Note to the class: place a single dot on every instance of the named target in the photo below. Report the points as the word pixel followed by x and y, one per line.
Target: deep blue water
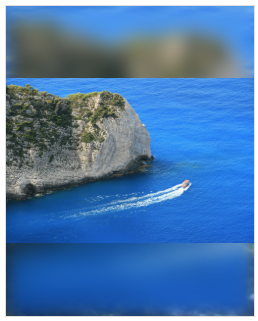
pixel 201 130
pixel 127 279
pixel 234 25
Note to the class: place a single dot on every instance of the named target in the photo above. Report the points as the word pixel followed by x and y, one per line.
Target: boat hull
pixel 185 184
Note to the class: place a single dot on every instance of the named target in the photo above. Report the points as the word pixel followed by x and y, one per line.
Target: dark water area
pixel 128 279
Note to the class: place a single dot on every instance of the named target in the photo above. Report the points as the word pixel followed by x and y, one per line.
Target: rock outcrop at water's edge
pixel 54 142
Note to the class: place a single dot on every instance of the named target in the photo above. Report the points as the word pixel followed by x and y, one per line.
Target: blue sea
pixel 200 129
pixel 128 279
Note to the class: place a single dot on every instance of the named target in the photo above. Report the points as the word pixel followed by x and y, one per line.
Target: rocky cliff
pixel 54 142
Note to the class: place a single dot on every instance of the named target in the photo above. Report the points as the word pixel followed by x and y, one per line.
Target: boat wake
pixel 135 202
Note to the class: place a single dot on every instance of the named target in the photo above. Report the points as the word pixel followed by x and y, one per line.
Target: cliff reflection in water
pixel 129 279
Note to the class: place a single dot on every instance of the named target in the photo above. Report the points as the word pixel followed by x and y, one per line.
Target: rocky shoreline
pixel 54 143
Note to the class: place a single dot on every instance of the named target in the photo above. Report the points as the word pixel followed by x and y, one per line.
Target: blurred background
pixel 130 42
pixel 138 279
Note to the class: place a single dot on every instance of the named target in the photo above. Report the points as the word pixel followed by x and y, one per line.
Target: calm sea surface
pixel 201 130
pixel 128 279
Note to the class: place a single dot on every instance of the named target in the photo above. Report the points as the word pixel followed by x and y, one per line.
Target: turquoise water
pixel 201 130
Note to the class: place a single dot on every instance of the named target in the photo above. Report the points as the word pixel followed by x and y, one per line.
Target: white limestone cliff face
pixel 120 146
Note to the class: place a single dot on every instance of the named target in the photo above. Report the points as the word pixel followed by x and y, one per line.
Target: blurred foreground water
pixel 129 279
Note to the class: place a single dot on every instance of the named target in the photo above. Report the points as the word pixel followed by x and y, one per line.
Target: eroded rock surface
pixel 55 142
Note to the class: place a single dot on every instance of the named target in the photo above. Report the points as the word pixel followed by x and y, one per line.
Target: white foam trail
pixel 141 201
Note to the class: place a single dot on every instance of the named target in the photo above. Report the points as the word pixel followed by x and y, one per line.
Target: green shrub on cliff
pixel 14 89
pixel 118 100
pixel 112 99
pixel 80 96
pixel 40 120
pixel 87 137
pixel 9 126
